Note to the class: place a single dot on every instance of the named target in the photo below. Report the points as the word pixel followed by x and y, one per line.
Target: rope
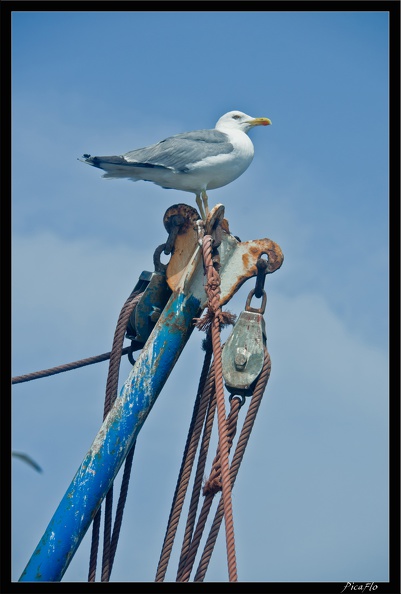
pixel 121 504
pixel 210 490
pixel 213 484
pixel 111 394
pixel 94 546
pixel 200 416
pixel 186 566
pixel 205 389
pixel 256 399
pixel 66 367
pixel 108 520
pixel 214 311
pixel 185 557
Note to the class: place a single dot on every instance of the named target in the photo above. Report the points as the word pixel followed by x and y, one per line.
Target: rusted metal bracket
pixel 238 260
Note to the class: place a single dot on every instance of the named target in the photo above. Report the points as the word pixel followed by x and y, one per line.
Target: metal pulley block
pixel 243 352
pixel 149 307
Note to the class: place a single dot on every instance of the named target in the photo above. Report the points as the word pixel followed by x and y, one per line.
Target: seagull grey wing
pixel 179 152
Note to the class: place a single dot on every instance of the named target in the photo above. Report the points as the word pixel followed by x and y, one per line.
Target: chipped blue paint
pixel 113 442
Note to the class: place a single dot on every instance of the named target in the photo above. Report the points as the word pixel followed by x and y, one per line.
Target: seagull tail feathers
pixel 101 162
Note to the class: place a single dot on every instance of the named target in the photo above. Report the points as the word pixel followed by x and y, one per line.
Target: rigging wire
pixel 110 396
pixel 213 293
pixel 65 367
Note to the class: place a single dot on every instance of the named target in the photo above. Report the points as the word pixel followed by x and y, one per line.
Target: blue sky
pixel 311 499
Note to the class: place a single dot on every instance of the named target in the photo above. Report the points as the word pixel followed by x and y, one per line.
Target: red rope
pixel 214 311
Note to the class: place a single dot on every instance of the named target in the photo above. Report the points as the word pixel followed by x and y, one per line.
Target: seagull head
pixel 237 120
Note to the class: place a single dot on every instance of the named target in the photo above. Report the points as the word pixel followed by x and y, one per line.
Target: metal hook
pixel 262 265
pixel 159 266
pixel 239 396
pixel 130 355
pixel 175 223
pixel 261 309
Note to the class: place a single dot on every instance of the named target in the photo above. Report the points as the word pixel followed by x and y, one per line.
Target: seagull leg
pixel 205 202
pixel 200 206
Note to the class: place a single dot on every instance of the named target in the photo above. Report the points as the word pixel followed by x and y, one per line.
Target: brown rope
pixel 94 546
pixel 205 387
pixel 237 458
pixel 185 557
pixel 213 292
pixel 111 394
pixel 66 367
pixel 107 528
pixel 116 350
pixel 190 558
pixel 213 483
pixel 187 564
pixel 121 504
pixel 256 399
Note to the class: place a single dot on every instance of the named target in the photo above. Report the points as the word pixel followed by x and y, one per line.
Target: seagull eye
pixel 236 117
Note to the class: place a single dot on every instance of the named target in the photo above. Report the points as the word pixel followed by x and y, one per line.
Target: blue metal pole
pixel 113 442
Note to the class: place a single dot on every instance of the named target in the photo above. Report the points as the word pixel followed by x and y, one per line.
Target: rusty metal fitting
pixel 240 397
pixel 261 265
pixel 177 219
pixel 175 223
pixel 160 268
pixel 259 310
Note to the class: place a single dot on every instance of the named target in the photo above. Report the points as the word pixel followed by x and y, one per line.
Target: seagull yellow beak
pixel 260 122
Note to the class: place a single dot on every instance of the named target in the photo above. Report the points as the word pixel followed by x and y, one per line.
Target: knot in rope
pixel 212 289
pixel 212 485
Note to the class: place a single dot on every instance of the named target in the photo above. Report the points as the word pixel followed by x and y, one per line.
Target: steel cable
pixel 209 493
pixel 206 383
pixel 213 293
pixel 110 396
pixel 250 417
pixel 66 367
pixel 185 556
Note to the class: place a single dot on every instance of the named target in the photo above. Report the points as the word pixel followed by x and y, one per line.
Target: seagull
pixel 191 161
